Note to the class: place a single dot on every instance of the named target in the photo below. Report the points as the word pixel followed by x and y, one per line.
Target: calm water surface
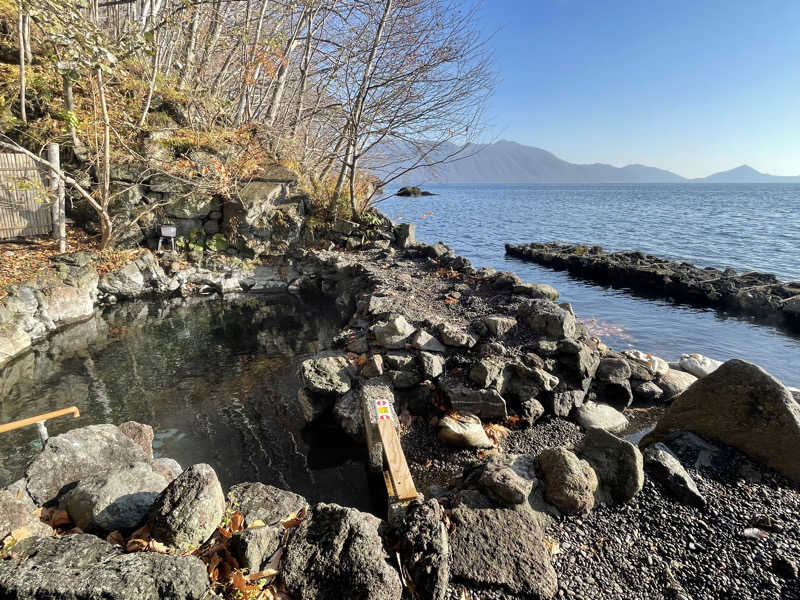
pixel 746 227
pixel 216 380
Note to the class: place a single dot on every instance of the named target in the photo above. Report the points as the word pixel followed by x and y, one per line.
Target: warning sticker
pixel 383 408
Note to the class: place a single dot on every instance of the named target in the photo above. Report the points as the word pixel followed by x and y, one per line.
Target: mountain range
pixel 509 162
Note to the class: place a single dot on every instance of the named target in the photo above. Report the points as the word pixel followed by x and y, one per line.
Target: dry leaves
pixel 496 432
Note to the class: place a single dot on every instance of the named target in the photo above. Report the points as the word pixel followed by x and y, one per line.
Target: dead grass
pixel 21 260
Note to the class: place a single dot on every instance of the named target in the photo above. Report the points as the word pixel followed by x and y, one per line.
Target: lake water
pixel 216 380
pixel 746 227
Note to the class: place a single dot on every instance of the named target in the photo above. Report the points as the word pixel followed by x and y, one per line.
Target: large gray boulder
pixel 743 406
pixel 664 466
pixel 253 547
pixel 617 462
pixel 570 482
pixel 326 374
pixel 674 382
pixel 500 549
pixel 592 414
pixel 141 434
pixel 85 567
pixel 548 318
pixel 119 498
pixel 393 333
pixel 337 552
pixel 76 454
pixel 141 277
pixel 265 503
pixel 188 511
pixel 501 483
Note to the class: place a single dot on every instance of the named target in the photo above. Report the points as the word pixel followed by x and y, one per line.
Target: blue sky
pixel 693 87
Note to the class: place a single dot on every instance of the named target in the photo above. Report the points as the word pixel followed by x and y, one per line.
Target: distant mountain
pixel 745 174
pixel 510 162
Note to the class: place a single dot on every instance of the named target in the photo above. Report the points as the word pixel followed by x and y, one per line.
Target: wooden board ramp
pixel 385 451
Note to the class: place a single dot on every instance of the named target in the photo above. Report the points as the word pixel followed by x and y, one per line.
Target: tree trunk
pixel 105 171
pixel 21 33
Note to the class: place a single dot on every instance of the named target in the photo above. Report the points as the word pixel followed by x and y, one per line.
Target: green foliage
pixel 193 242
pixel 217 243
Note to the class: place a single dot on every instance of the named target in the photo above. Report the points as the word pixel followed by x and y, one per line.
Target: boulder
pixel 373 367
pixel 498 326
pixel 647 391
pixel 253 547
pixel 500 549
pixel 487 404
pixel 463 430
pixel 536 290
pixel 743 406
pixel 18 516
pixel 141 277
pixel 665 467
pixel 422 340
pixel 592 414
pixel 570 482
pixel 337 552
pixel 619 395
pixel 502 484
pixel 168 467
pixel 141 434
pixel 548 318
pixel 453 337
pixel 393 333
pixel 328 373
pixel 617 463
pixel 613 370
pixel 405 235
pixel 486 371
pixel 189 510
pixel 119 498
pixel 400 360
pixel 76 454
pixel 265 503
pixel 349 415
pixel 699 365
pixel 423 543
pixel 85 567
pixel 432 364
pixel 674 382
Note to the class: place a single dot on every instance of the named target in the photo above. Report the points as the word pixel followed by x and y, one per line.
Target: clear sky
pixel 690 86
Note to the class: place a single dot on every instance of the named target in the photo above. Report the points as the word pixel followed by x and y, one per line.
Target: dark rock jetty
pixel 759 295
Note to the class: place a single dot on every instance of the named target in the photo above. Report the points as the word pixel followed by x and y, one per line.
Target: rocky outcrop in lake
pixel 759 295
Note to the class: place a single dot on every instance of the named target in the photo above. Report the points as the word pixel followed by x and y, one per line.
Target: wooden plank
pixel 396 461
pixel 72 410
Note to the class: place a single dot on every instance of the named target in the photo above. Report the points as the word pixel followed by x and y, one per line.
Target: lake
pixel 746 227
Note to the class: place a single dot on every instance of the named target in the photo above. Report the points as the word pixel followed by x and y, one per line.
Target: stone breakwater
pixel 759 295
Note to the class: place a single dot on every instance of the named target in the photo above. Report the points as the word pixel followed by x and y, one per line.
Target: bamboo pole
pixel 73 410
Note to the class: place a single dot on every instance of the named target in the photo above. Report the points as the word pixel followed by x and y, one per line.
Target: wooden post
pixel 57 189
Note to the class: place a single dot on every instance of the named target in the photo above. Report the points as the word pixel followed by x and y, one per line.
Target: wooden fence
pixel 31 199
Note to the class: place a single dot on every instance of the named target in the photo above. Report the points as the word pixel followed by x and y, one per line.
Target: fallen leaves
pixel 496 432
pixel 57 518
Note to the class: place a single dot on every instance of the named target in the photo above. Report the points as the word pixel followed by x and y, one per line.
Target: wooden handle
pixel 72 410
pixel 396 462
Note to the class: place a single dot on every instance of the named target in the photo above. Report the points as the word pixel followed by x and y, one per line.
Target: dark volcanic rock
pixel 17 514
pixel 500 548
pixel 71 456
pixel 743 406
pixel 119 498
pixel 261 502
pixel 84 567
pixel 664 466
pixel 337 553
pixel 617 462
pixel 189 510
pixel 423 542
